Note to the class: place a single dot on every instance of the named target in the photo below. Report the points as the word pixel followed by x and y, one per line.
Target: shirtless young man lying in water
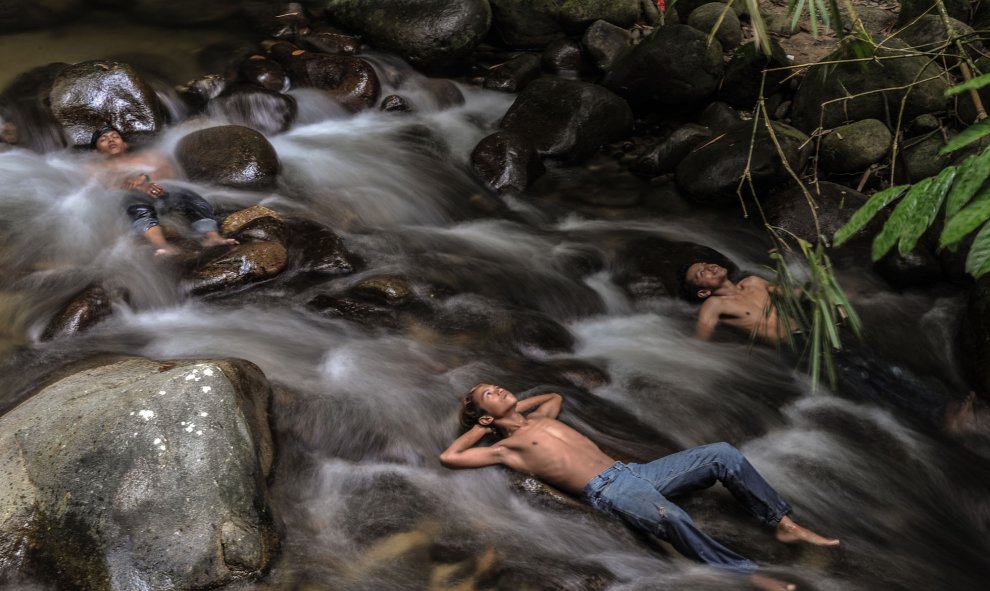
pixel 538 444
pixel 745 305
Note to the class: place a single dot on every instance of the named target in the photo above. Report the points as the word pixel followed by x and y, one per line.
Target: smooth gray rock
pixel 704 17
pixel 136 474
pixel 853 147
pixel 427 33
pixel 921 156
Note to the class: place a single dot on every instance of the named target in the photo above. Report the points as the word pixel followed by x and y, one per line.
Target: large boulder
pixel 851 88
pixel 673 66
pixel 89 95
pixel 349 80
pixel 710 174
pixel 567 119
pixel 229 155
pixel 790 210
pixel 18 15
pixel 137 474
pixel 427 33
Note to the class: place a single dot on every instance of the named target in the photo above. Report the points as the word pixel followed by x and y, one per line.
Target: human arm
pixel 542 405
pixel 462 453
pixel 708 317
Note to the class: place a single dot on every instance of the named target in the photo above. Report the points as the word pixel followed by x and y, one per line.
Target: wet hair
pixel 99 133
pixel 470 410
pixel 686 286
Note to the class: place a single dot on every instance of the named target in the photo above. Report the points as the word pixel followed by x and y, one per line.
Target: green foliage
pixel 974 132
pixel 866 213
pixel 816 305
pixel 968 219
pixel 974 84
pixel 973 171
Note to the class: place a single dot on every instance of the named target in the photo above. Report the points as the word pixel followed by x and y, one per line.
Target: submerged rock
pixel 267 111
pixel 241 265
pixel 229 155
pixel 85 310
pixel 139 474
pixel 254 224
pixel 506 161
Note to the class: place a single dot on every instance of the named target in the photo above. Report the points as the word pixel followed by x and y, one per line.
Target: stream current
pixel 361 413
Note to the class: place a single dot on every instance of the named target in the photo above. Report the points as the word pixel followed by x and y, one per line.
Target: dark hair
pixel 99 133
pixel 686 287
pixel 470 411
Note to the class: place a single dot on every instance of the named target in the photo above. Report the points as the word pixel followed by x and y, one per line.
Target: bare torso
pixel 555 453
pixel 747 307
pixel 113 172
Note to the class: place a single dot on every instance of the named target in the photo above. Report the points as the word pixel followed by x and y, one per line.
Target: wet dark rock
pixel 710 174
pixel 718 117
pixel 85 310
pixel 790 211
pixel 580 373
pixel 577 15
pixel 25 103
pixel 330 40
pixel 394 103
pixel 921 125
pixel 974 338
pixel 238 266
pixel 854 147
pixel 351 81
pixel 740 87
pixel 322 250
pixel 673 66
pixel 267 73
pixel 385 289
pixel 832 81
pixel 229 155
pixel 254 224
pixel 267 111
pixel 564 58
pixel 524 24
pixel 912 9
pixel 604 43
pixel 533 329
pixel 568 119
pixel 729 32
pixel 506 161
pixel 198 92
pixel 669 152
pixel 88 95
pixel 515 74
pixel 20 15
pixel 134 450
pixel 426 33
pixel 921 156
pixel 650 267
pixel 371 315
pixel 918 268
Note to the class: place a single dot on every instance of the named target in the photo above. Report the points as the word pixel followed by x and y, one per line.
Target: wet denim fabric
pixel 638 494
pixel 144 210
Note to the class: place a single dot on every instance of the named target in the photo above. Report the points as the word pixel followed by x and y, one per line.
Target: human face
pixel 111 144
pixel 706 276
pixel 496 401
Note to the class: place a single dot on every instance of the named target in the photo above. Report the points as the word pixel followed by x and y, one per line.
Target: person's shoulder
pixel 754 280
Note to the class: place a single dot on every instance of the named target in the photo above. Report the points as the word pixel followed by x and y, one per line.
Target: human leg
pixel 199 212
pixel 637 502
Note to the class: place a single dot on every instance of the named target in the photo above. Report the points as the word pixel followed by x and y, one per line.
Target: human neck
pixel 509 424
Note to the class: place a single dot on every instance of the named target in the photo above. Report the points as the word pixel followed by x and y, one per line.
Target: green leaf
pixel 927 203
pixel 978 259
pixel 795 12
pixel 974 84
pixel 973 171
pixel 901 222
pixel 970 218
pixel 969 135
pixel 867 212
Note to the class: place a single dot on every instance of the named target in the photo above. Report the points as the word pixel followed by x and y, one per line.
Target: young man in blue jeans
pixel 537 443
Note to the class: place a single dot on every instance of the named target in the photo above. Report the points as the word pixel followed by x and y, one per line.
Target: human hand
pixel 136 182
pixel 152 189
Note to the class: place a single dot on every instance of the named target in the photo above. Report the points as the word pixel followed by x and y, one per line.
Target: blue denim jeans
pixel 144 210
pixel 638 494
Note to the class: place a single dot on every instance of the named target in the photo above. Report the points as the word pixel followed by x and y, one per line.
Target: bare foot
pixel 167 251
pixel 789 532
pixel 218 240
pixel 765 583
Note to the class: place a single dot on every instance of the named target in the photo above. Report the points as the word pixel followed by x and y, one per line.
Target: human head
pixel 484 403
pixel 108 140
pixel 699 279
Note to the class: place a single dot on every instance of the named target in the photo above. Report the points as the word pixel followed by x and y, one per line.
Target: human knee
pixel 727 455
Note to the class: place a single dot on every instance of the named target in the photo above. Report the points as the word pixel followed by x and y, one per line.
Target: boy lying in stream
pixel 537 443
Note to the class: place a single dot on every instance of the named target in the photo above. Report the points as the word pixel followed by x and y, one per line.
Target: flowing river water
pixel 360 413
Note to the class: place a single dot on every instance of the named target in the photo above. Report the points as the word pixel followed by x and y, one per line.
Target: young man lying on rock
pixel 537 443
pixel 139 174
